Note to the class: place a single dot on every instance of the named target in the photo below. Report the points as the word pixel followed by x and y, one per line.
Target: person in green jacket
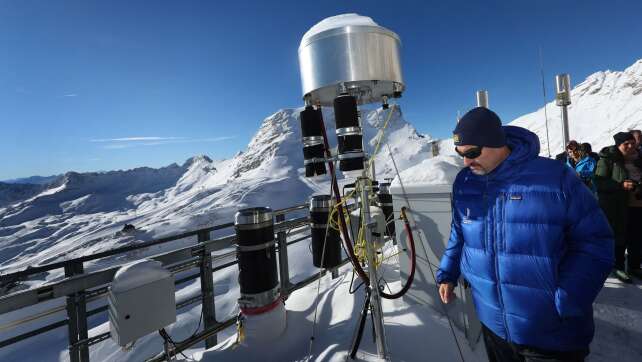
pixel 614 186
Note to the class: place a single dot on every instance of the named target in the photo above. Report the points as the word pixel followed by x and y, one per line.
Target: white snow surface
pixel 440 170
pixel 413 331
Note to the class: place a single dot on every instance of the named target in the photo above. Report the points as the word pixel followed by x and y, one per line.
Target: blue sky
pixel 102 85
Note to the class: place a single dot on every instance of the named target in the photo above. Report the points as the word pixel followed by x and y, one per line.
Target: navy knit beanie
pixel 479 127
pixel 622 137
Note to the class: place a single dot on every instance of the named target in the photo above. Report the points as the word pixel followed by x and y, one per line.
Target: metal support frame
pixel 375 297
pixel 207 290
pixel 284 273
pixel 77 313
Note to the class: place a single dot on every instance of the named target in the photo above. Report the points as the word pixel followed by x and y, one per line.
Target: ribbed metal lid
pixel 253 215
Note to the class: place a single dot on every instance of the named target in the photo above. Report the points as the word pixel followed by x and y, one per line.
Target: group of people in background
pixel 614 177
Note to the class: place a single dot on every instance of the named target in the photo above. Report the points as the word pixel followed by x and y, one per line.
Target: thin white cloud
pixel 70 95
pixel 136 139
pixel 128 142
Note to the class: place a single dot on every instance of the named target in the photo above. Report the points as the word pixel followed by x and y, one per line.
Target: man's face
pixel 638 138
pixel 482 164
pixel 627 148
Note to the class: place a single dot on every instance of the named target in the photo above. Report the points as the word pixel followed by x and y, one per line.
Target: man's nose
pixel 467 161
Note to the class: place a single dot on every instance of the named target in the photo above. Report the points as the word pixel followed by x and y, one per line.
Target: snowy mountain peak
pixel 605 103
pixel 201 160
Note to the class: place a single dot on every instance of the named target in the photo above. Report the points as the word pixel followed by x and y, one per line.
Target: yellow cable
pixel 383 131
pixel 240 330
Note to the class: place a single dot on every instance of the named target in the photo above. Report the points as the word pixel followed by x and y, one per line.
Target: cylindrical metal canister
pixel 320 209
pixel 256 249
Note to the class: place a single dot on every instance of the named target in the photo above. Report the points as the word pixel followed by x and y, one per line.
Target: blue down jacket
pixel 534 245
pixel 585 169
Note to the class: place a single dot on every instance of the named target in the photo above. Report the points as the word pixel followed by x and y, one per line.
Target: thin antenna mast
pixel 541 71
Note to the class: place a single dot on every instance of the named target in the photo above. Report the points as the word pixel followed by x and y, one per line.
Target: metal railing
pixel 80 287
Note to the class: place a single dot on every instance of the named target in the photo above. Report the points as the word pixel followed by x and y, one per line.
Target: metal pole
pixel 482 98
pixel 375 298
pixel 207 290
pixel 563 99
pixel 77 313
pixel 284 273
pixel 82 318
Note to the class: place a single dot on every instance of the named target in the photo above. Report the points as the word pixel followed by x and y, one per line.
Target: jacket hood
pixel 524 146
pixel 523 143
pixel 611 152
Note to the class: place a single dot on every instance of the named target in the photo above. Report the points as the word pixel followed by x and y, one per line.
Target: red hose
pixel 413 260
pixel 346 236
pixel 342 222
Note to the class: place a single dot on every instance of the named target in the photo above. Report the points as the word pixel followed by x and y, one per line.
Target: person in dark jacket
pixel 531 241
pixel 615 186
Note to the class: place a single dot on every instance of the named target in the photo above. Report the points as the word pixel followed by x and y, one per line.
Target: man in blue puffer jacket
pixel 529 238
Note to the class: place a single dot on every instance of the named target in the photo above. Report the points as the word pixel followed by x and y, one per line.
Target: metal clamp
pixel 351 155
pixel 314 161
pixel 312 141
pixel 349 131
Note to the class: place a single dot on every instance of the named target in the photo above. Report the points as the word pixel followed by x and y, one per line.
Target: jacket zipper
pixel 496 259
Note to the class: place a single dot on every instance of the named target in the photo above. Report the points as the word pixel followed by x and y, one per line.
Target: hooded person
pixel 616 175
pixel 531 241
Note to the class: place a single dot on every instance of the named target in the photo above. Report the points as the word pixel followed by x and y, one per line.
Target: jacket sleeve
pixel 449 267
pixel 603 179
pixel 589 251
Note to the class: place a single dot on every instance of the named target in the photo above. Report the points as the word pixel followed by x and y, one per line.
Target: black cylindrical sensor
pixel 345 111
pixel 313 145
pixel 385 202
pixel 349 134
pixel 311 122
pixel 256 250
pixel 320 209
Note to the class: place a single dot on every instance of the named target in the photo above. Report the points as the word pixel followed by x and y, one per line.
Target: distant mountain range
pixel 34 180
pixel 65 218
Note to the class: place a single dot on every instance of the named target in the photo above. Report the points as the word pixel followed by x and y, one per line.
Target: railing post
pixel 77 314
pixel 284 272
pixel 207 291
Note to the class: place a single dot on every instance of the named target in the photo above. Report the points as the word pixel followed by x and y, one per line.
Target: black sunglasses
pixel 470 153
